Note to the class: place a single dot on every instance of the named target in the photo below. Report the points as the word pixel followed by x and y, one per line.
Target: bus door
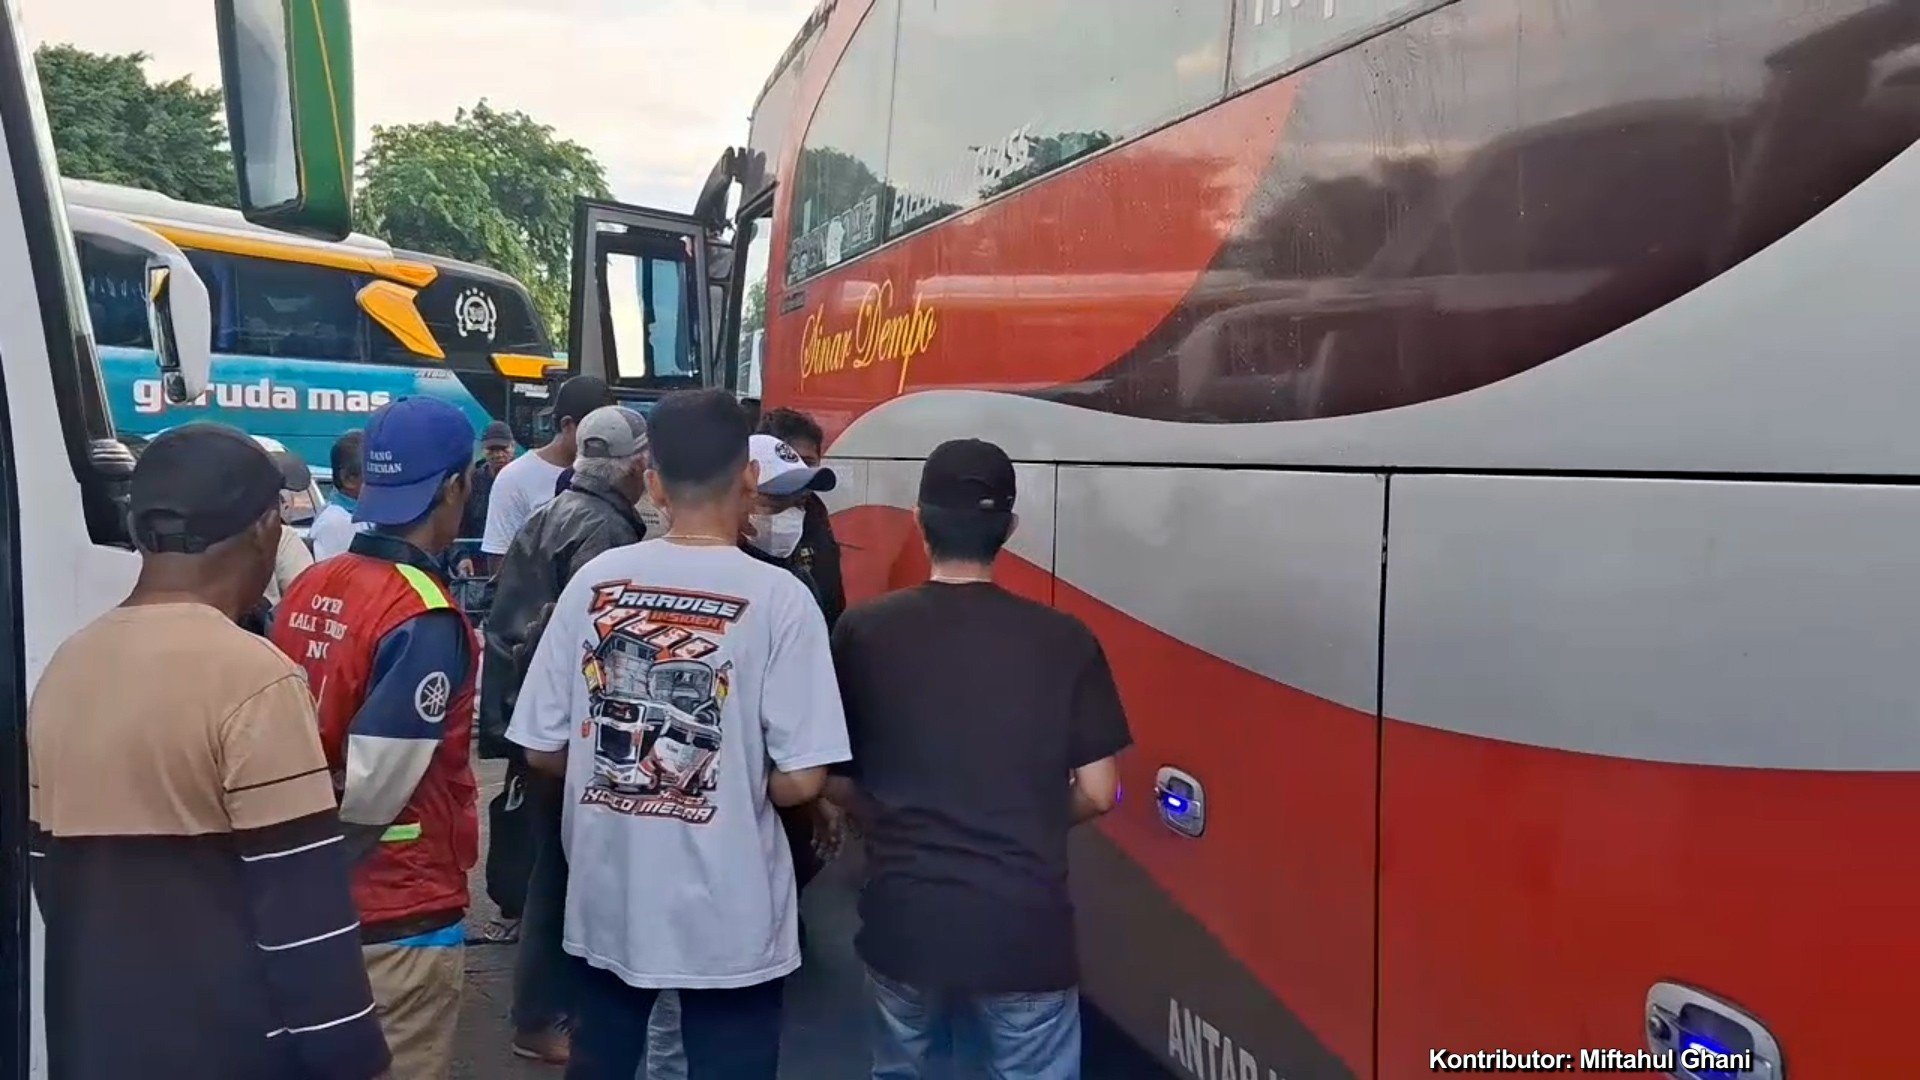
pixel 642 312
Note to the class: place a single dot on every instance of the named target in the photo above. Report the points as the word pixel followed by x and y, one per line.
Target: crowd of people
pixel 252 849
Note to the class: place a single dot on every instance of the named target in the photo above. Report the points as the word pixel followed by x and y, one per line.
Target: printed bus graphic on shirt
pixel 654 702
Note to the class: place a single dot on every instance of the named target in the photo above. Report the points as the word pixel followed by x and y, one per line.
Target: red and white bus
pixel 1481 433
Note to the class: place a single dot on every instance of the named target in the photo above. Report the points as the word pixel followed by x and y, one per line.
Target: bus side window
pixel 1067 80
pixel 116 285
pixel 840 199
pixel 284 309
pixel 216 271
pixel 1271 37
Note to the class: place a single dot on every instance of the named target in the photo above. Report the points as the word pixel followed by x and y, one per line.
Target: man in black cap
pixel 496 448
pixel 178 782
pixel 967 708
pixel 531 481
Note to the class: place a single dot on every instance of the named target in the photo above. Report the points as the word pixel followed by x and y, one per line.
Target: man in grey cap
pixel 596 512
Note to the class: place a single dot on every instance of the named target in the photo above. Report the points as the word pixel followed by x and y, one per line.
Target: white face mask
pixel 778 534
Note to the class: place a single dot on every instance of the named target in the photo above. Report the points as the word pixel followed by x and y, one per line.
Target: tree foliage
pixel 111 124
pixel 493 187
pixel 753 314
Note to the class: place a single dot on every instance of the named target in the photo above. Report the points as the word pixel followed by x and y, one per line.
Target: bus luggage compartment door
pixel 1239 609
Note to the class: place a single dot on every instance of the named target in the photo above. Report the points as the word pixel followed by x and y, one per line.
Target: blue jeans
pixel 1011 1036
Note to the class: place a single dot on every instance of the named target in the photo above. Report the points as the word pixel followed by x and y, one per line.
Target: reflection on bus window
pixel 753 309
pixel 648 321
pixel 839 198
pixel 1069 79
pixel 1273 36
pixel 627 315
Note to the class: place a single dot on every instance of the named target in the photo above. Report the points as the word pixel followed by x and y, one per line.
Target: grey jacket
pixel 560 538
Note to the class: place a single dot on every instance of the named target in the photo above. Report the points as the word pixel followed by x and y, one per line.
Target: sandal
pixel 495 932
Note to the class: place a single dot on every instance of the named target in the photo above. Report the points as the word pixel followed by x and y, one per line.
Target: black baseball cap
pixel 967 474
pixel 199 484
pixel 695 435
pixel 497 434
pixel 579 396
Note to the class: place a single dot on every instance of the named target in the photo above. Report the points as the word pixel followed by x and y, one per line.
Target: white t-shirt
pixel 333 530
pixel 673 675
pixel 524 486
pixel 288 562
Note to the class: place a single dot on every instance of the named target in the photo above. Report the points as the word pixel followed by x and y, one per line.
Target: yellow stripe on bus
pixel 417 274
pixel 523 367
pixel 393 306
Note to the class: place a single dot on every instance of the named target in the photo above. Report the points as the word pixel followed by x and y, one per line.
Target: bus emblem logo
pixel 475 314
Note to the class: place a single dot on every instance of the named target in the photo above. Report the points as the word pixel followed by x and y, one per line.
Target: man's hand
pixel 829 829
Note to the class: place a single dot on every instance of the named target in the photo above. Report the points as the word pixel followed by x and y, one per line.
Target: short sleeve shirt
pixel 163 740
pixel 524 486
pixel 968 709
pixel 675 677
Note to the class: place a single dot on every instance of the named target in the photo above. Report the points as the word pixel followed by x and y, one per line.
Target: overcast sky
pixel 655 88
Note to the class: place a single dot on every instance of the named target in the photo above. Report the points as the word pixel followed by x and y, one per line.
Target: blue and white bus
pixel 311 337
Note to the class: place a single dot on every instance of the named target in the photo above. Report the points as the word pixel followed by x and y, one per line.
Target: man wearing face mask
pixel 819 551
pixel 778 519
pixel 772 535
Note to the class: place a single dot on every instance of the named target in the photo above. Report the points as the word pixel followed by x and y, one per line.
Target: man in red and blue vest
pixel 392 664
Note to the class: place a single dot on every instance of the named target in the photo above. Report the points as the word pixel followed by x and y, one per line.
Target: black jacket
pixel 796 820
pixel 817 560
pixel 560 538
pixel 473 520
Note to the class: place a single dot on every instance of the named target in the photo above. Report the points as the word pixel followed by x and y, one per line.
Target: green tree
pixel 493 187
pixel 753 314
pixel 111 124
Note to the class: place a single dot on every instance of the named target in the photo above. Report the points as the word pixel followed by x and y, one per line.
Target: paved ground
pixel 825 1038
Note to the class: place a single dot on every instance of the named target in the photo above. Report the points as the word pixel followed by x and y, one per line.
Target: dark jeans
pixel 545 977
pixel 729 1034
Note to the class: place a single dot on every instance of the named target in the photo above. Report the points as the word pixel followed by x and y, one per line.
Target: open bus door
pixel 644 309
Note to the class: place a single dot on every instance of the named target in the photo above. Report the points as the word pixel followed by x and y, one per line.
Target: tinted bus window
pixel 116 295
pixel 1066 79
pixel 1273 36
pixel 261 308
pixel 839 196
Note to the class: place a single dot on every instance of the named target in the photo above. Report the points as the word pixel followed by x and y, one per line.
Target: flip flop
pixel 495 932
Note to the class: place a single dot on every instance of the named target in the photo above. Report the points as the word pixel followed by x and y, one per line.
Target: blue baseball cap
pixel 412 446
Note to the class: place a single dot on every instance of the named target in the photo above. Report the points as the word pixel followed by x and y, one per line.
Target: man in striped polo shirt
pixel 188 860
pixel 392 662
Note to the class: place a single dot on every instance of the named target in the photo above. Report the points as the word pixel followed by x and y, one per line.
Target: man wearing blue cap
pixel 392 663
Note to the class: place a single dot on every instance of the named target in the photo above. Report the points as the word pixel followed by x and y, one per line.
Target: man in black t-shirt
pixel 984 726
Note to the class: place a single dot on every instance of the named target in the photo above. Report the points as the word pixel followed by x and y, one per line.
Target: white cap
pixel 782 472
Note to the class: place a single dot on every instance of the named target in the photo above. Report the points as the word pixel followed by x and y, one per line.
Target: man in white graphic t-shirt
pixel 685 690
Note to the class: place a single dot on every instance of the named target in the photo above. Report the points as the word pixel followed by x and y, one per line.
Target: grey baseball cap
pixel 611 431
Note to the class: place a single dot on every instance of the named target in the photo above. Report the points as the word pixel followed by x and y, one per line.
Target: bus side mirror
pixel 287 66
pixel 179 313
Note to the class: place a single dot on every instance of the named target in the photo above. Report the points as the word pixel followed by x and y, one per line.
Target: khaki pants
pixel 416 994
